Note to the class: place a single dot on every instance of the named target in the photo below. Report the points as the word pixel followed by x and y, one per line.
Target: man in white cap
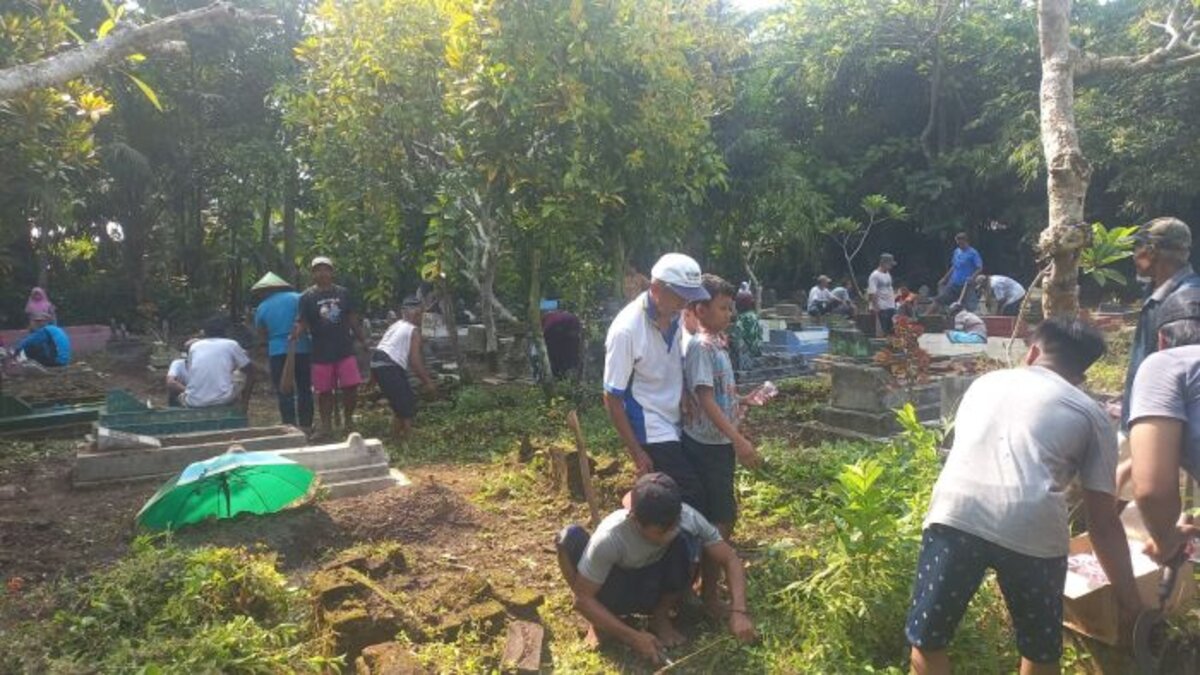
pixel 643 373
pixel 330 317
pixel 275 317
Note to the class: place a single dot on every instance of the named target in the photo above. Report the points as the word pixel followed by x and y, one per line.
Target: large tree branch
pixel 61 68
pixel 1181 49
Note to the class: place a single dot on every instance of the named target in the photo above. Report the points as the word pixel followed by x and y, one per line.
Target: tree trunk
pixel 619 267
pixel 535 321
pixel 450 317
pixel 264 243
pixel 1068 171
pixel 935 94
pixel 487 305
pixel 289 228
pixel 753 284
pixel 73 63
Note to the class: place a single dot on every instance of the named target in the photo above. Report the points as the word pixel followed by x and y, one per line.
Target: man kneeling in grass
pixel 642 561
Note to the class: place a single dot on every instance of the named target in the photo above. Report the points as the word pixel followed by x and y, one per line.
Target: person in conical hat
pixel 276 314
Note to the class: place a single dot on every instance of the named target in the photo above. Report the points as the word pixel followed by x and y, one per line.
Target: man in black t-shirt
pixel 330 317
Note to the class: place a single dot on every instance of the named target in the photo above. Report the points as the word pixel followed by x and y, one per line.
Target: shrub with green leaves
pixel 166 609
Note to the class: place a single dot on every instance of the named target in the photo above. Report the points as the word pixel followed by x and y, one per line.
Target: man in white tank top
pixel 398 351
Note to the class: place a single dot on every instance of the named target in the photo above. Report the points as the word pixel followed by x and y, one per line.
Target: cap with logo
pixel 682 275
pixel 321 260
pixel 1165 233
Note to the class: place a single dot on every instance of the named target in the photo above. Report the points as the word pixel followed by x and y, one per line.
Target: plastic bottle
pixel 765 392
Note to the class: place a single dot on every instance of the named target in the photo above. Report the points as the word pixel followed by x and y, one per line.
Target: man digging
pixel 642 561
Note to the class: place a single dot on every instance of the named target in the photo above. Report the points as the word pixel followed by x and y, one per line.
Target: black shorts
pixel 951 567
pixel 714 465
pixel 668 457
pixel 393 382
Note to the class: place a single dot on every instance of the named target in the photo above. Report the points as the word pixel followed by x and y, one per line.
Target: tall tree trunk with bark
pixel 265 246
pixel 1068 171
pixel 291 188
pixel 535 321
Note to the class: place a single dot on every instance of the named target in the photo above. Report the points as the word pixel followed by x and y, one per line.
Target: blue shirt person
pixel 965 263
pixel 275 318
pixel 46 343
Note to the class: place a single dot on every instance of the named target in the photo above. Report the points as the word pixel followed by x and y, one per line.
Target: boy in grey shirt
pixel 641 561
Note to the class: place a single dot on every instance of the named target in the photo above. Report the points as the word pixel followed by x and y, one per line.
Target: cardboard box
pixel 1090 608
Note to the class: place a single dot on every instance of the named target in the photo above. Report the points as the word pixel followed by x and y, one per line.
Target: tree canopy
pixel 510 149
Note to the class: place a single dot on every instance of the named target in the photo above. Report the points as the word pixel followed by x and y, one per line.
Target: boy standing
pixel 711 439
pixel 398 352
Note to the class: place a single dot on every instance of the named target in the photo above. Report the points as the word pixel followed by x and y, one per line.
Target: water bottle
pixel 764 393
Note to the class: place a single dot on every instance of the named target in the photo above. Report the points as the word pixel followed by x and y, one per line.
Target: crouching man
pixel 642 561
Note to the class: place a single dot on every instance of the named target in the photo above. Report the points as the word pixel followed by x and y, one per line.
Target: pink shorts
pixel 338 375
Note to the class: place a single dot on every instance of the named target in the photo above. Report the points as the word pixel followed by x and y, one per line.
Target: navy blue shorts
pixel 637 591
pixel 951 567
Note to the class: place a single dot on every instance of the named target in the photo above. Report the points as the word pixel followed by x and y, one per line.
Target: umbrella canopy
pixel 224 486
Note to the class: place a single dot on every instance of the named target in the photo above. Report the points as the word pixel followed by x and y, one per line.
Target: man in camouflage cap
pixel 1161 254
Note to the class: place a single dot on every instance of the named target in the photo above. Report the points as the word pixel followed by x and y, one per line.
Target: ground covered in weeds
pixel 439 570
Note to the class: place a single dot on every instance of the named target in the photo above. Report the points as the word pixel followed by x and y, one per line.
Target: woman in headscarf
pixel 39 303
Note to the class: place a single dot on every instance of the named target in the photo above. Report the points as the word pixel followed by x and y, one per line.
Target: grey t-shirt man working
pixel 1021 437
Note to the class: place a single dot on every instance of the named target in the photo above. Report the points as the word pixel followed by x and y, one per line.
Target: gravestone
pixel 863 401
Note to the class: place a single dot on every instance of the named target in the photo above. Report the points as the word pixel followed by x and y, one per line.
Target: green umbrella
pixel 224 486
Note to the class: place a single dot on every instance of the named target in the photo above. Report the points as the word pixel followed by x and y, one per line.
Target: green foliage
pixel 1108 247
pixel 851 235
pixel 170 610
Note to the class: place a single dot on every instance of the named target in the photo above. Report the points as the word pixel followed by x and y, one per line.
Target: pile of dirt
pixel 421 513
pixel 69 384
pixel 425 512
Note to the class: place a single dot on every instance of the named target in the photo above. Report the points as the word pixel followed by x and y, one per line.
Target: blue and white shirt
pixel 644 366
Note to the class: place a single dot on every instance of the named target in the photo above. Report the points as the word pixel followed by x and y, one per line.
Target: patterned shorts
pixel 951 567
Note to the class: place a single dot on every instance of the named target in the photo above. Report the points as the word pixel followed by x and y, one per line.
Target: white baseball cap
pixel 321 260
pixel 682 275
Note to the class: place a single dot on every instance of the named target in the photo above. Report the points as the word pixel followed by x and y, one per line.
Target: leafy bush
pixel 166 609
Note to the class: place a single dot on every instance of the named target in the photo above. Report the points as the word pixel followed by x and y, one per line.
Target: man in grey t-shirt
pixel 1021 436
pixel 1164 423
pixel 641 561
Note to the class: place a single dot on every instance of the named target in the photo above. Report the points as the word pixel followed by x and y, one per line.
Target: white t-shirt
pixel 1007 291
pixel 645 367
pixel 211 363
pixel 178 370
pixel 396 342
pixel 818 294
pixel 617 543
pixel 1020 437
pixel 879 284
pixel 970 323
